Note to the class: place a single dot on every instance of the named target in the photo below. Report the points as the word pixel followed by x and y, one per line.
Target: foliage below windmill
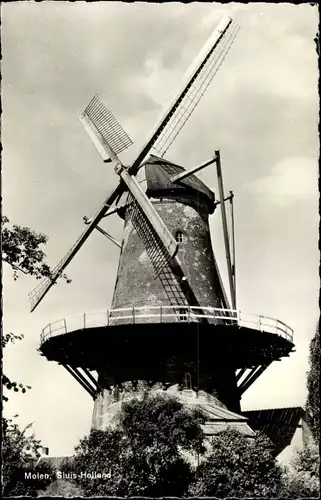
pixel 153 450
pixel 21 250
pixel 313 384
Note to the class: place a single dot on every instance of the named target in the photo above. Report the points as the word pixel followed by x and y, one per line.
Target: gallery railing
pixel 166 314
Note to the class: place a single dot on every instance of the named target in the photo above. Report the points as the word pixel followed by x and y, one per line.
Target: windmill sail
pixel 202 69
pixel 44 286
pixel 195 92
pixel 104 129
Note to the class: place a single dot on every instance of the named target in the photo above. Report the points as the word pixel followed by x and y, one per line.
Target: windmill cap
pixel 159 172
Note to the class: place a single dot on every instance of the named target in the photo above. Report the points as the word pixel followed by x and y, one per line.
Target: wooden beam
pixel 187 173
pixel 95 382
pixel 81 381
pixel 233 247
pixel 253 376
pixel 224 224
pixel 240 374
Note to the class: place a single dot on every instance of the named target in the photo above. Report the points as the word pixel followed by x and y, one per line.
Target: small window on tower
pixel 179 237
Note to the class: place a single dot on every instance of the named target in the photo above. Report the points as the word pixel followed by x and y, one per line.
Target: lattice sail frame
pixel 195 92
pixel 103 128
pixel 155 249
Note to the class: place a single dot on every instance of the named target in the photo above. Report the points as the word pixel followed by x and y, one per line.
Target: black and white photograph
pixel 160 261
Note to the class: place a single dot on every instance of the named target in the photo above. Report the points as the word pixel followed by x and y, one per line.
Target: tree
pixel 21 475
pixel 142 455
pixel 303 479
pixel 313 386
pixel 238 467
pixel 61 488
pixel 21 250
pixel 6 381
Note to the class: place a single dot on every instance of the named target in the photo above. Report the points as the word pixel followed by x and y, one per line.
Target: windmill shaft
pixel 192 74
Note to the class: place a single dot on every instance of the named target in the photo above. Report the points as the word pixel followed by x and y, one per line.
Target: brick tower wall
pixel 136 286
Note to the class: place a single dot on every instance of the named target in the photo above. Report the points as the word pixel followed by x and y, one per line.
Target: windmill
pixel 171 320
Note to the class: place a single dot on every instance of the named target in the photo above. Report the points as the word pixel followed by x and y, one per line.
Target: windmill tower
pixel 170 320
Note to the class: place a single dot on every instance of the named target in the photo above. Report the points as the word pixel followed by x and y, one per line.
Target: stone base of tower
pixel 108 404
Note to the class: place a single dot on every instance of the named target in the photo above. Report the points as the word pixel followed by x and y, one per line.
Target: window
pixel 179 237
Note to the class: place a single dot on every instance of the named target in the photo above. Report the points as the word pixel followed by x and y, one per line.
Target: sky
pixel 261 111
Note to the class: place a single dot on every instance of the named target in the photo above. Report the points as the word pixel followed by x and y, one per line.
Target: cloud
pixel 283 39
pixel 290 180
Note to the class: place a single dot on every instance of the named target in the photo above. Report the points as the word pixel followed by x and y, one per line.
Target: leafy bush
pixel 61 488
pixel 313 385
pixel 143 455
pixel 238 467
pixel 303 479
pixel 21 249
pixel 19 460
